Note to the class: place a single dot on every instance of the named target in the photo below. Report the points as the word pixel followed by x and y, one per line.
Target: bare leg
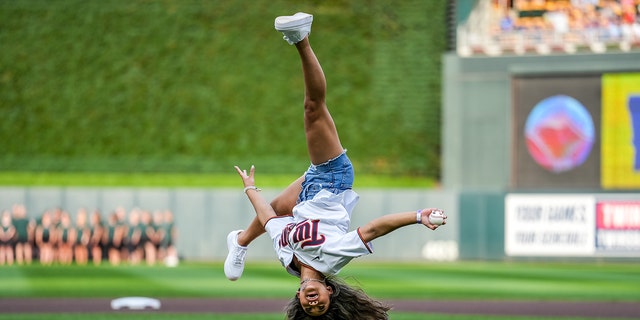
pixel 323 142
pixel 20 253
pixel 28 253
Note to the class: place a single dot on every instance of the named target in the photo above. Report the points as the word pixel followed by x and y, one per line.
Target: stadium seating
pixel 550 26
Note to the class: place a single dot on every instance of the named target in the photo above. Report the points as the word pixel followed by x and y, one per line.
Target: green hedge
pixel 196 86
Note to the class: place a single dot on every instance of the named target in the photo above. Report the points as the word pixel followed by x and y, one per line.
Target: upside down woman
pixel 309 221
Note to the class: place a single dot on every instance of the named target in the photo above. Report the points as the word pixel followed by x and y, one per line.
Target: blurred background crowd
pixel 543 26
pixel 87 237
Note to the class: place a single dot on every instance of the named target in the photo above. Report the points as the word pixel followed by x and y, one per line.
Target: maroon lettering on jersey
pixel 284 237
pixel 306 233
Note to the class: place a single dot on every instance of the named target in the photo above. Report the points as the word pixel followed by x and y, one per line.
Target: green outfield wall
pixel 204 217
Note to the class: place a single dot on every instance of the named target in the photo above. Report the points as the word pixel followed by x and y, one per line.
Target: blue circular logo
pixel 560 133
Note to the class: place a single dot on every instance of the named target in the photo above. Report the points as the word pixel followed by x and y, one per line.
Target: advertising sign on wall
pixel 549 225
pixel 618 227
pixel 576 131
pixel 579 225
pixel 556 131
pixel 621 131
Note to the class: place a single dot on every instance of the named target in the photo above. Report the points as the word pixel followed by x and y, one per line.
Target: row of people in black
pixel 55 237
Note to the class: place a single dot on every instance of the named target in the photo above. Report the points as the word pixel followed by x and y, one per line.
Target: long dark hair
pixel 346 303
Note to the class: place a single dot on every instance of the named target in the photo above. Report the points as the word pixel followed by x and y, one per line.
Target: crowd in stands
pixel 56 236
pixel 544 26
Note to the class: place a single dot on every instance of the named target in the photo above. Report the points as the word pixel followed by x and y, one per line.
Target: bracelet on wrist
pixel 251 188
pixel 419 216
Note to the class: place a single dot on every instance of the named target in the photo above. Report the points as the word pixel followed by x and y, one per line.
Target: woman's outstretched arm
pixel 262 207
pixel 383 225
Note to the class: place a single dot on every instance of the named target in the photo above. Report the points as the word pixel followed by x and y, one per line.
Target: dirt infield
pixel 515 308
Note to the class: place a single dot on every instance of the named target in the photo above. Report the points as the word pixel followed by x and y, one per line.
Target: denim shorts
pixel 335 175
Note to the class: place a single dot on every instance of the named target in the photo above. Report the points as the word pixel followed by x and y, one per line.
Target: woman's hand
pixel 425 218
pixel 263 209
pixel 247 179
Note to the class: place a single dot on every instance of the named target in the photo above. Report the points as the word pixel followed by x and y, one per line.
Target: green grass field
pixel 202 180
pixel 429 281
pixel 461 280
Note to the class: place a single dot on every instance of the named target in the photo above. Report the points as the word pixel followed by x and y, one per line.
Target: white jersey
pixel 318 233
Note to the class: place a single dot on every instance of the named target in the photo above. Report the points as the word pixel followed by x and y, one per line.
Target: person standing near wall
pixel 95 240
pixel 83 235
pixel 25 229
pixel 121 214
pixel 168 245
pixel 146 237
pixel 65 239
pixel 112 239
pixel 7 237
pixel 134 232
pixel 45 238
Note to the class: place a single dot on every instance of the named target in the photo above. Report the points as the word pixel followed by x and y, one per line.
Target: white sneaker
pixel 234 264
pixel 295 28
